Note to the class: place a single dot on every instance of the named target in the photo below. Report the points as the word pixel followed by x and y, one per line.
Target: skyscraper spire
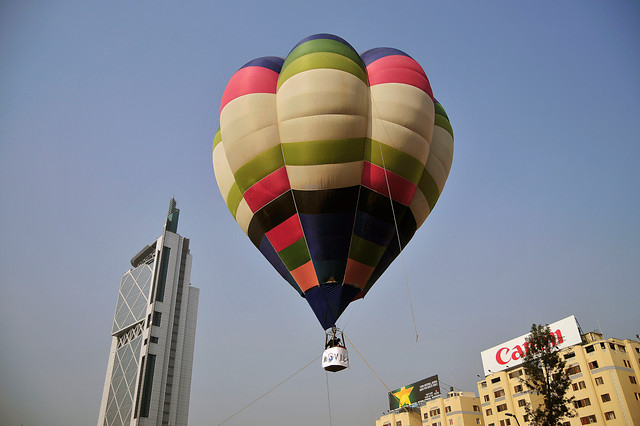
pixel 172 216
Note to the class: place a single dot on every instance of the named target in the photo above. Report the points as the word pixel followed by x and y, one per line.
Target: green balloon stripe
pixel 323 151
pixel 217 138
pixel 429 188
pixel 395 160
pixel 320 60
pixel 442 121
pixel 233 199
pixel 259 167
pixel 323 45
pixel 296 255
pixel 365 251
pixel 440 110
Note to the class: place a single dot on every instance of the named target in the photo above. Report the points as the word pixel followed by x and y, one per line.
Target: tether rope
pixel 267 392
pixel 395 221
pixel 328 398
pixel 370 368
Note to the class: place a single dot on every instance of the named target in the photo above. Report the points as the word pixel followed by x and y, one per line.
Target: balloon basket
pixel 335 357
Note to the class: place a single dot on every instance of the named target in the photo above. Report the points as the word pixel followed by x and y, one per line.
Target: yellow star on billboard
pixel 403 395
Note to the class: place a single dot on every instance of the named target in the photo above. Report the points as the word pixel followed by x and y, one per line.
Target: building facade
pixel 148 380
pixel 604 377
pixel 456 409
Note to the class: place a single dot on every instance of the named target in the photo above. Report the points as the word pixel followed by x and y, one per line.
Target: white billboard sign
pixel 510 354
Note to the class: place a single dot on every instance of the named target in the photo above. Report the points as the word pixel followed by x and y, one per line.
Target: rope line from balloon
pixel 269 391
pixel 395 221
pixel 370 368
pixel 328 398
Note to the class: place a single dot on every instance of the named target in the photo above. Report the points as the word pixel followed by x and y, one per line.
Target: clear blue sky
pixel 108 110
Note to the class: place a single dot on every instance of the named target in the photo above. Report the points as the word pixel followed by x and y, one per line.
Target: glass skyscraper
pixel 148 378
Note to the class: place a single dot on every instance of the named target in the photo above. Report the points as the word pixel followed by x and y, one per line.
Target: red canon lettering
pixel 499 357
pixel 517 353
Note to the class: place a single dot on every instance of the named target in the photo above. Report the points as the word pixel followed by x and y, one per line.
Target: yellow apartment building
pixel 405 416
pixel 604 374
pixel 456 409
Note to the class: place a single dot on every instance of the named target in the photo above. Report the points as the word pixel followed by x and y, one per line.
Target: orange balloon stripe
pixel 305 276
pixel 357 273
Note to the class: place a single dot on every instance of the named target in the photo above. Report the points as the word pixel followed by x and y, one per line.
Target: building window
pixel 486 398
pixel 582 403
pixel 517 389
pixel 605 397
pixel 522 403
pixel 566 424
pixel 399 423
pixel 589 349
pixel 154 339
pixel 505 422
pixel 516 374
pixel 573 370
pixel 157 317
pixel 483 384
pixel 626 363
pixel 434 412
pixel 502 407
pixel 637 396
pixel 612 346
pixel 599 381
pixel 387 424
pixel 622 348
pixel 489 412
pixel 145 398
pixel 496 380
pixel 610 415
pixel 579 385
pixel 447 409
pixel 450 421
pixel 476 409
pixel 593 365
pixel 498 393
pixel 633 379
pixel 569 355
pixel 588 419
pixel 477 421
pixel 425 416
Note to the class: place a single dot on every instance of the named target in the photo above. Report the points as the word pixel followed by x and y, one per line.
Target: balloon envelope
pixel 330 161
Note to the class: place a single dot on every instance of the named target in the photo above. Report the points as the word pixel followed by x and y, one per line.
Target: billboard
pixel 406 395
pixel 509 354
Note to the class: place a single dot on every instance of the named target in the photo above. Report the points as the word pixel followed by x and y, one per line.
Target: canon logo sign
pixel 510 354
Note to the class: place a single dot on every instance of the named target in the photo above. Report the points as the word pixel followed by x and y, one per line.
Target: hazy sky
pixel 108 110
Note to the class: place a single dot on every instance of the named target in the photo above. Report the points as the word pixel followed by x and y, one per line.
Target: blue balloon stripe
pixel 373 55
pixel 274 63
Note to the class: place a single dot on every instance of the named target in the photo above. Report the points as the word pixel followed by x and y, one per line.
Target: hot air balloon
pixel 330 161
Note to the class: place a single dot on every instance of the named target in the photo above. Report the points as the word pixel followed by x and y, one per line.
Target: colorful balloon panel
pixel 330 161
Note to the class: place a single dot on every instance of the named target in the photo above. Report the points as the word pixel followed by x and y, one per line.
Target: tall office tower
pixel 149 371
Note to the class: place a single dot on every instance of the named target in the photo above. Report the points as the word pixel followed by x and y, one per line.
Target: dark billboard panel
pixel 406 395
